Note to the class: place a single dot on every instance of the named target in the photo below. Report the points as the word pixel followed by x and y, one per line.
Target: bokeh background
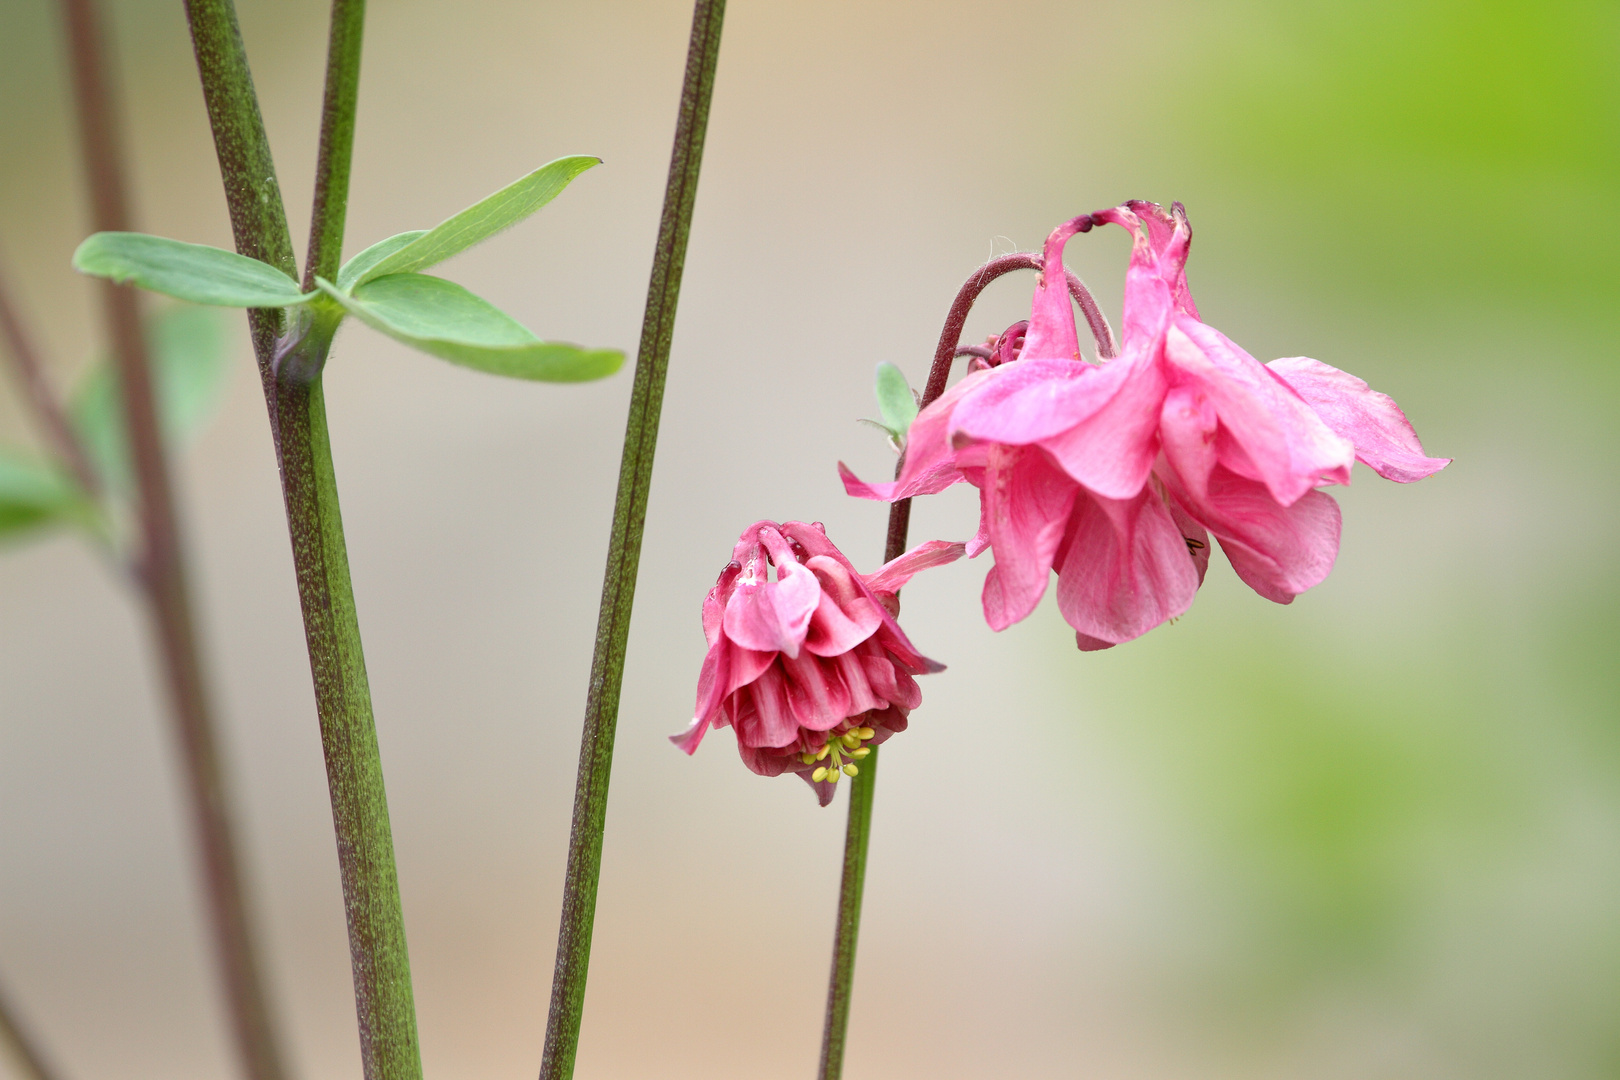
pixel 1372 835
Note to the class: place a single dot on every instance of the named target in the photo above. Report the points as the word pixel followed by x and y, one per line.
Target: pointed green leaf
pixel 31 495
pixel 191 357
pixel 896 403
pixel 479 221
pixel 442 319
pixel 355 268
pixel 194 272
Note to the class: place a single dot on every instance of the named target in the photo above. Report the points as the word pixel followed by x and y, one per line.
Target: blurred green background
pixel 1375 834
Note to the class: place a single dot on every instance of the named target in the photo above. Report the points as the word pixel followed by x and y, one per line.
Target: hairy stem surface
pixel 857 835
pixel 160 569
pixel 624 548
pixel 384 1001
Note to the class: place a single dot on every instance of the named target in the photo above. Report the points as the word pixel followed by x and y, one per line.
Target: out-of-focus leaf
pixel 191 361
pixel 896 403
pixel 194 272
pixel 356 268
pixel 473 225
pixel 33 495
pixel 442 319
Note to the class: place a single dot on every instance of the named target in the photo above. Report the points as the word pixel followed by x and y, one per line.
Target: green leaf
pixel 191 360
pixel 356 268
pixel 442 319
pixel 194 272
pixel 896 403
pixel 475 224
pixel 33 495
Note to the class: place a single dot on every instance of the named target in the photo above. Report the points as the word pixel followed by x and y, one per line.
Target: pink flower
pixel 811 668
pixel 1114 475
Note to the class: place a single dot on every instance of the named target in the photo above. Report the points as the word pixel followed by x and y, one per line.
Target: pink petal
pixel 845 617
pixel 1283 441
pixel 772 615
pixel 1382 435
pixel 1026 401
pixel 1051 334
pixel 817 701
pixel 893 575
pixel 1027 501
pixel 1126 570
pixel 1279 551
pixel 930 463
pixel 861 695
pixel 764 716
pixel 1111 451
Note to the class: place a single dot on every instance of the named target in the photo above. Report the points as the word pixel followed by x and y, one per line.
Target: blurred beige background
pixel 1373 835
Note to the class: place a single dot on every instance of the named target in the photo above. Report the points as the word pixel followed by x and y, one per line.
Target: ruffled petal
pixel 764 717
pixel 1383 437
pixel 1127 568
pixel 1027 501
pixel 893 575
pixel 1111 450
pixel 816 695
pixel 1279 551
pixel 1282 440
pixel 772 615
pixel 846 616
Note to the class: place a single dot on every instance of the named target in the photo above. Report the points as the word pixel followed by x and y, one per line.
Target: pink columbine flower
pixel 1115 474
pixel 809 669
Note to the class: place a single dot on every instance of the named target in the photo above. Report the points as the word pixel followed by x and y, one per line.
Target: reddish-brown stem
pixel 858 832
pixel 159 565
pixel 29 367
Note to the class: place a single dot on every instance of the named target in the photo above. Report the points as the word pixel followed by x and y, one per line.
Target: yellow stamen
pixel 807 757
pixel 862 752
pixel 822 753
pixel 850 739
pixel 832 776
pixel 865 732
pixel 819 775
pixel 850 769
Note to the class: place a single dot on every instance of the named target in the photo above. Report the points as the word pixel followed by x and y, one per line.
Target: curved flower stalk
pixel 810 669
pixel 1115 474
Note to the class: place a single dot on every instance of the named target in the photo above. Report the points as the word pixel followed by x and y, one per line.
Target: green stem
pixel 337 142
pixel 624 548
pixel 161 572
pixel 856 836
pixel 381 965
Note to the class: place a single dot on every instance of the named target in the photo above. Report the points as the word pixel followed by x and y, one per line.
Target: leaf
pixel 475 224
pixel 896 403
pixel 33 495
pixel 194 272
pixel 355 268
pixel 442 319
pixel 191 360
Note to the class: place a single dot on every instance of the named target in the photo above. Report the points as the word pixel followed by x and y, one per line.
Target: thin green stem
pixel 337 142
pixel 160 568
pixel 384 1001
pixel 853 883
pixel 624 548
pixel 858 833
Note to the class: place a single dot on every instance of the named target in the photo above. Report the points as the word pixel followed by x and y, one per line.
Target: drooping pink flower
pixel 1114 474
pixel 809 668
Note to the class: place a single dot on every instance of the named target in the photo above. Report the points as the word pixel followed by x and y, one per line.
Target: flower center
pixel 839 754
